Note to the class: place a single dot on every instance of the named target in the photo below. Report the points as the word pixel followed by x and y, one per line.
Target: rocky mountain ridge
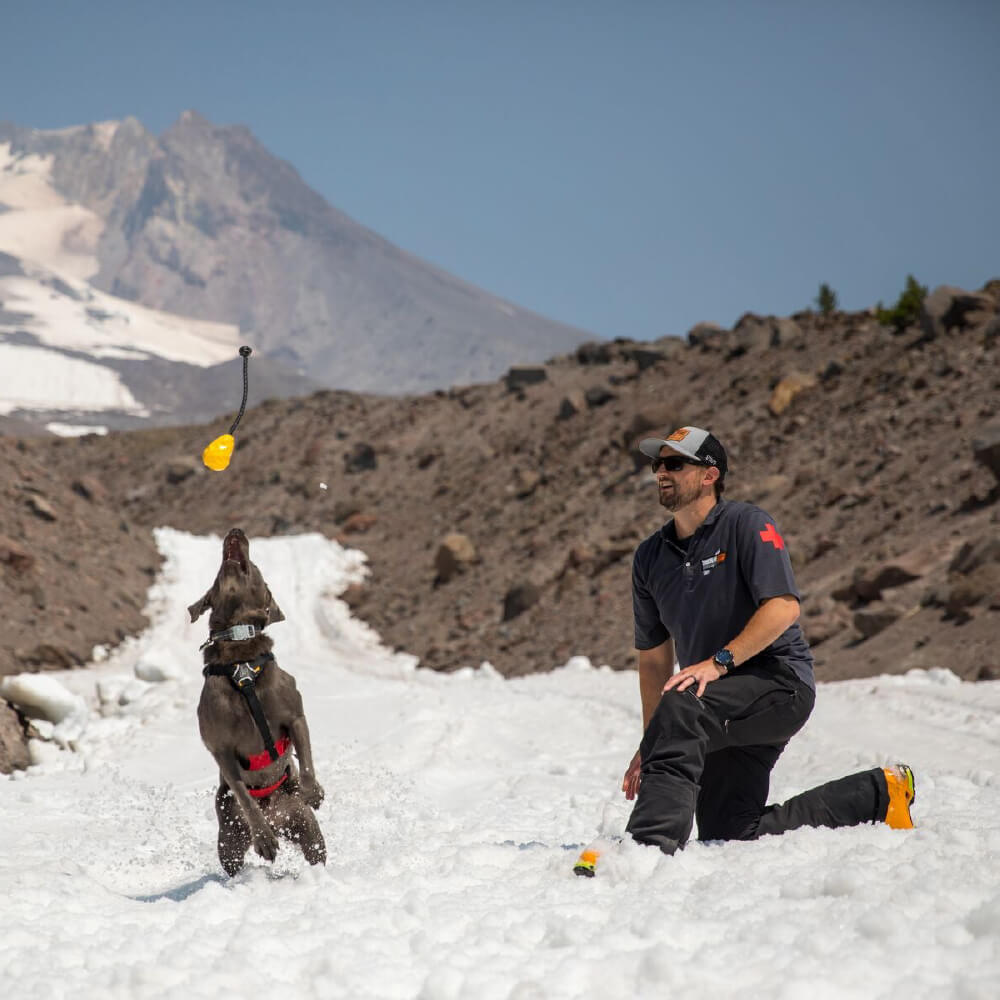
pixel 499 519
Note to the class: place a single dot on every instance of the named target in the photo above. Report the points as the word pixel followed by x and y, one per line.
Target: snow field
pixel 455 807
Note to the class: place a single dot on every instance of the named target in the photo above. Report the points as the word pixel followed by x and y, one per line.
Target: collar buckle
pixel 236 633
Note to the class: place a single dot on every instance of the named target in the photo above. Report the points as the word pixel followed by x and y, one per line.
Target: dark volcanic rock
pixel 13 740
pixel 986 448
pixel 853 473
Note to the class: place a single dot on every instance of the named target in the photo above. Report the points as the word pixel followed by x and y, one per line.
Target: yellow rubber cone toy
pixel 217 455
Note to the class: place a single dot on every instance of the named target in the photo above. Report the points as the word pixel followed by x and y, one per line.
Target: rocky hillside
pixel 499 519
pixel 204 222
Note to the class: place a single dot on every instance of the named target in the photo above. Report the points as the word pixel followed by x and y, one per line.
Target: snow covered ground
pixel 454 807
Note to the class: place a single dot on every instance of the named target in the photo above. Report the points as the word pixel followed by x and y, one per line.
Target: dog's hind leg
pixel 234 833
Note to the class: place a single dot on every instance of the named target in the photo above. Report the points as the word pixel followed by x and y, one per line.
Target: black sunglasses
pixel 672 463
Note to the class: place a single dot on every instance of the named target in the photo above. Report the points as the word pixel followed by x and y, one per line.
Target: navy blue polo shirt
pixel 702 592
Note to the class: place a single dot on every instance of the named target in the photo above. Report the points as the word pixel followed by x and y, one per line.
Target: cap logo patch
pixel 769 534
pixel 679 435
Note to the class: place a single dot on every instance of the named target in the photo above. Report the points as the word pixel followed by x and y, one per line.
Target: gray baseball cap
pixel 693 442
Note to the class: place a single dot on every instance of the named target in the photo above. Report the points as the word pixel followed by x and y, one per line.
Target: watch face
pixel 724 658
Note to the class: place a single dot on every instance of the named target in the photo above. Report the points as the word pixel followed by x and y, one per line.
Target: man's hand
pixel 630 783
pixel 699 675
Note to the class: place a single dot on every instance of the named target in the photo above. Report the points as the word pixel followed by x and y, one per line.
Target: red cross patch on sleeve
pixel 770 534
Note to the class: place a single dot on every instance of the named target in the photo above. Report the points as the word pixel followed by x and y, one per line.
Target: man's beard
pixel 677 497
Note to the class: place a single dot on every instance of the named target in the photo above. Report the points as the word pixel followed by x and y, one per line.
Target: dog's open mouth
pixel 232 551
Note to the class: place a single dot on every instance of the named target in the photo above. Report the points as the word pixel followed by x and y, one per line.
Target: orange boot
pixel 902 792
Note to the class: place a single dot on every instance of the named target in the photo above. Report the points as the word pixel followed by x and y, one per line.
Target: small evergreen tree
pixel 826 301
pixel 906 311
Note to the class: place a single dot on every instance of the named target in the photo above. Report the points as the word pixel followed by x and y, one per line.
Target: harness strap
pixel 262 793
pixel 242 676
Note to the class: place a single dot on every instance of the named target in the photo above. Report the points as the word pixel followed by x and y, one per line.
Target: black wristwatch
pixel 723 659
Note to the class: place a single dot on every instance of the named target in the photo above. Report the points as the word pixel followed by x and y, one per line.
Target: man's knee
pixel 737 827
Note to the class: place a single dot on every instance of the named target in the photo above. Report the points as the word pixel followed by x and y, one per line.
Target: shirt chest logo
pixel 707 565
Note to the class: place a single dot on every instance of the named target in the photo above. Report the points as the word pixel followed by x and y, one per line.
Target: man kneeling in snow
pixel 715 586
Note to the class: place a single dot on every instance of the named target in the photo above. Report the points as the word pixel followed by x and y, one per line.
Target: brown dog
pixel 250 716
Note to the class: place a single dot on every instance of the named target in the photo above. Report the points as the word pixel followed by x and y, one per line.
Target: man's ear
pixel 274 613
pixel 200 606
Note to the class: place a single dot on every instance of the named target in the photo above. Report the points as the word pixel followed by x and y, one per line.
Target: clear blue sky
pixel 627 167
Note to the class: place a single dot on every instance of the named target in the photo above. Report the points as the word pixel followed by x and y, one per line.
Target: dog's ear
pixel 200 606
pixel 274 613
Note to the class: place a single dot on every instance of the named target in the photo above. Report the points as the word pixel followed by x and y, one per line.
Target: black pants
pixel 711 758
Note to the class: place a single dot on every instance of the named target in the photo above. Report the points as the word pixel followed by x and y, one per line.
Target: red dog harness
pixel 261 760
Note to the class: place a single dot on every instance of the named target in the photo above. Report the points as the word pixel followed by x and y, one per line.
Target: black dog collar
pixel 236 633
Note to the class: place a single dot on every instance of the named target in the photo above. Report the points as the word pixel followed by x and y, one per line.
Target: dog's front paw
pixel 265 843
pixel 312 792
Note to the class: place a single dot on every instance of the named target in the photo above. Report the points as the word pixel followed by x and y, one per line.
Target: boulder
pixel 521 376
pixel 992 289
pixel 526 481
pixel 454 555
pixel 656 421
pixel 13 740
pixel 354 596
pixel 48 656
pixel 311 455
pixel 986 448
pixel 832 370
pixel 41 508
pixel 870 621
pixel 15 555
pixel 751 333
pixel 90 488
pixel 593 353
pixel 579 557
pixel 343 509
pixel 819 628
pixel 426 456
pixel 518 599
pixel 707 336
pixel 948 308
pixel 787 333
pixel 646 356
pixel 980 586
pixel 573 402
pixel 180 469
pixel 870 581
pixel 991 332
pixel 787 389
pixel 671 347
pixel 361 458
pixel 972 555
pixel 358 523
pixel 598 395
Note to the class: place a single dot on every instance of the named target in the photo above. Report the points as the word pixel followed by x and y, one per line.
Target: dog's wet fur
pixel 240 596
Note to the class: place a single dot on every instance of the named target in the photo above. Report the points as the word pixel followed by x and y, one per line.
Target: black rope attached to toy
pixel 245 355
